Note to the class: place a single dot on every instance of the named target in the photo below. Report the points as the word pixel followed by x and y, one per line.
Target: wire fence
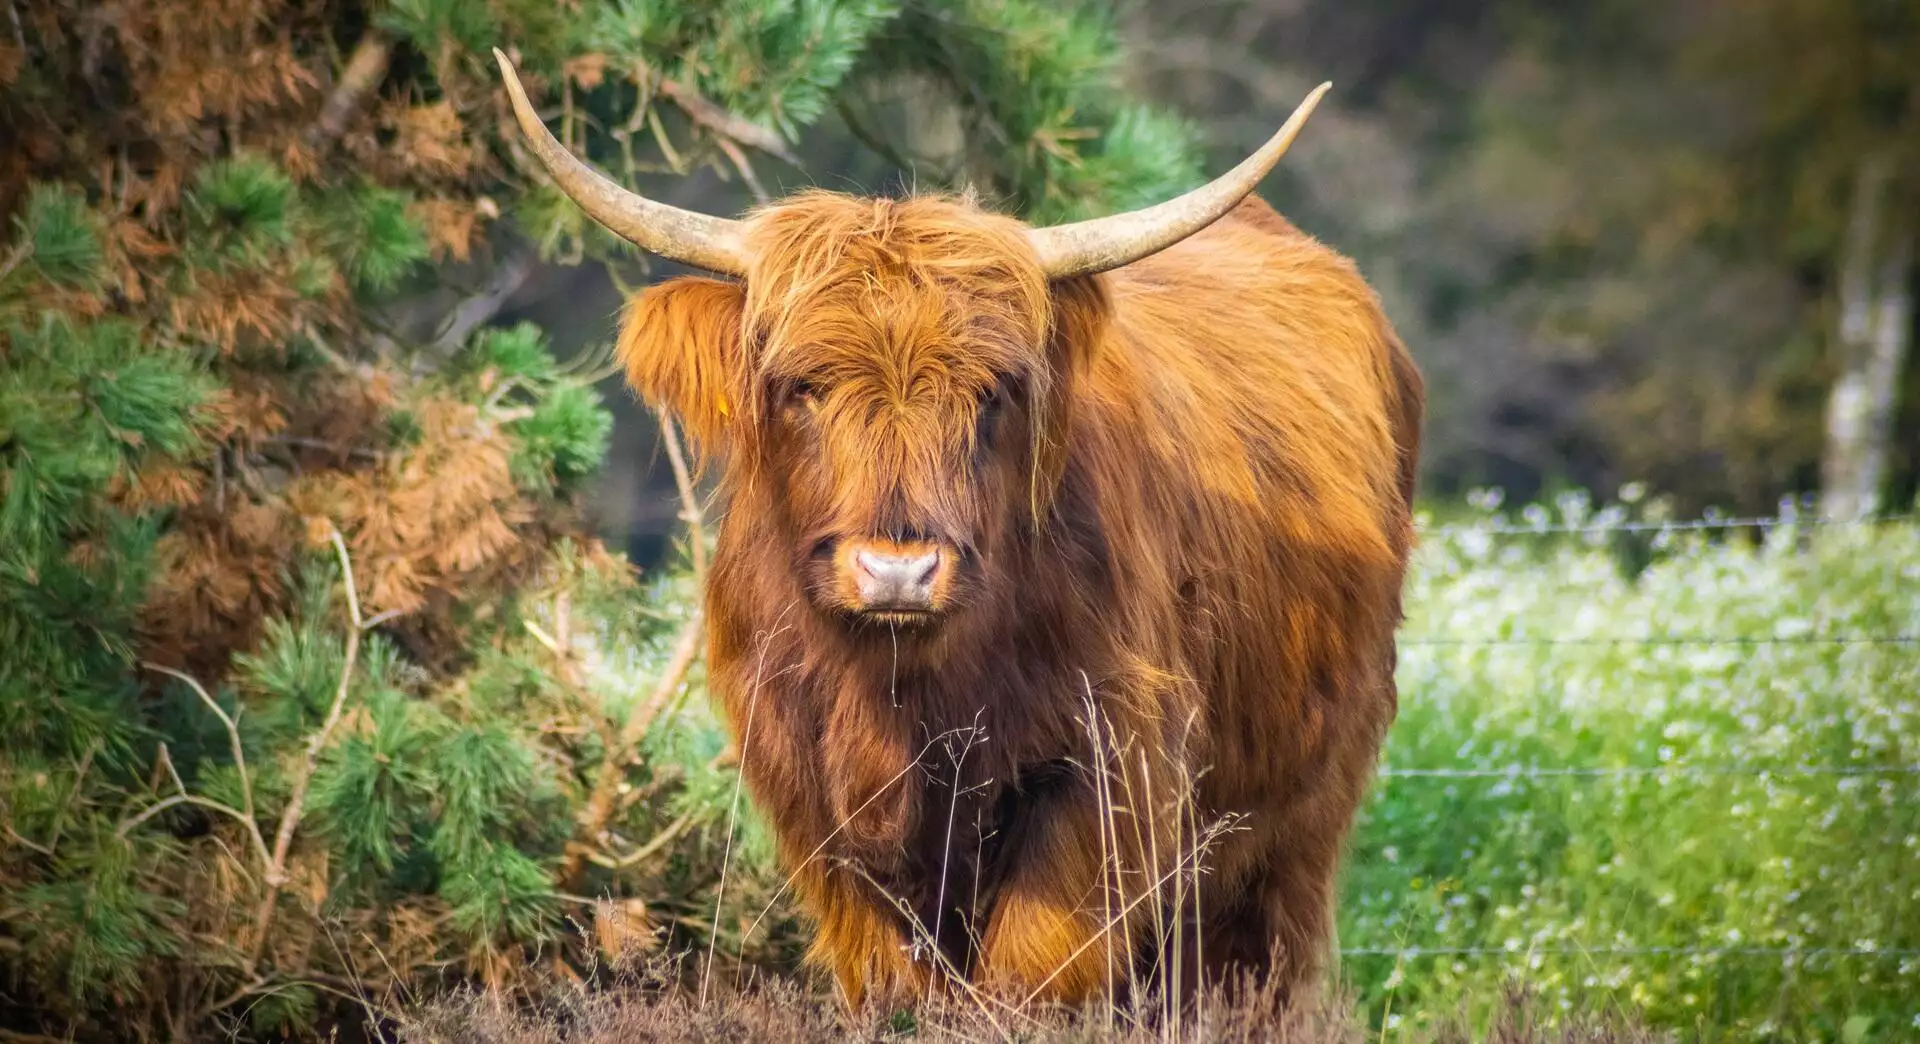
pixel 1777 952
pixel 1670 639
pixel 1515 772
pixel 1678 771
pixel 1504 528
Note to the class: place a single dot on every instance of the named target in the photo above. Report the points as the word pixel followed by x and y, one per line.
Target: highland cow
pixel 1053 607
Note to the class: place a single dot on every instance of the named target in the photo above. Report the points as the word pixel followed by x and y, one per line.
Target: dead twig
pixel 126 825
pixel 725 124
pixel 163 759
pixel 26 842
pixel 665 776
pixel 15 257
pixel 654 846
pixel 739 158
pixel 690 512
pixel 232 727
pixel 276 871
pixel 606 786
pixel 366 67
pixel 245 813
pixel 304 442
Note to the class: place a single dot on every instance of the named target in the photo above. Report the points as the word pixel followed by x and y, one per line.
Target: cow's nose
pixel 894 581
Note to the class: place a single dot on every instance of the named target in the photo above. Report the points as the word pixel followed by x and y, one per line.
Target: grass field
pixel 1769 677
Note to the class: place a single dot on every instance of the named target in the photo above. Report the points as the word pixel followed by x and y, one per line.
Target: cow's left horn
pixel 715 244
pixel 1086 247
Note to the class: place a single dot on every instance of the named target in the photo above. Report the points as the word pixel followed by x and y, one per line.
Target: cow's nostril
pixel 926 565
pixel 888 581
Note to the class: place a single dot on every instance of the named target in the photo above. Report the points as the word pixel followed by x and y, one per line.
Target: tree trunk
pixel 1872 337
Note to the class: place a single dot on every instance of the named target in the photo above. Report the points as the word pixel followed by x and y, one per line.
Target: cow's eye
pixel 997 394
pixel 799 392
pixel 992 398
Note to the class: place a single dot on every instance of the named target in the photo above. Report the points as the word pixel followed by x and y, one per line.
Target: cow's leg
pixel 1274 933
pixel 1297 896
pixel 1295 891
pixel 859 939
pixel 1046 935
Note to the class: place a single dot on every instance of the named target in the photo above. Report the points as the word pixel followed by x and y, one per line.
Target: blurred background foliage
pixel 1613 233
pixel 325 665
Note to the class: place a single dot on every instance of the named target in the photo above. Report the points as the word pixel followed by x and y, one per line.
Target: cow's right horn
pixel 1106 243
pixel 701 240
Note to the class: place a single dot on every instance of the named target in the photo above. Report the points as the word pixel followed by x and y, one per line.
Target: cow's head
pixel 890 378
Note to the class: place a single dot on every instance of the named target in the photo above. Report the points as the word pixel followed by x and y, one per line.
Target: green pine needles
pixel 313 678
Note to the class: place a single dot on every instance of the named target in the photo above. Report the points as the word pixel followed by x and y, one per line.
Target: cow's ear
pixel 1080 308
pixel 682 348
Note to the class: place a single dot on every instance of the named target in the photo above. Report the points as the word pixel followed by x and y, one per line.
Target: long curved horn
pixel 1101 244
pixel 715 244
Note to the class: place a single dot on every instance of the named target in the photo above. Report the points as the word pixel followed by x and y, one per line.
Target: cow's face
pixel 892 381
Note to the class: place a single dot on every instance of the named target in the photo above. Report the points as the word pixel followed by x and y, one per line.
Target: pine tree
pixel 311 671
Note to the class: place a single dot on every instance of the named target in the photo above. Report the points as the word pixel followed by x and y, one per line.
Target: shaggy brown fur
pixel 1171 511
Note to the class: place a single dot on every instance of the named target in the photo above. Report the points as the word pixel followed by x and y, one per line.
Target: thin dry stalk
pixel 690 512
pixel 1158 882
pixel 825 841
pixel 983 1002
pixel 1109 840
pixel 733 809
pixel 946 845
pixel 1187 865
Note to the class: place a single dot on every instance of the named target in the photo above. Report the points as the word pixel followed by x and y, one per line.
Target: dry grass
pixel 652 1004
pixel 668 1000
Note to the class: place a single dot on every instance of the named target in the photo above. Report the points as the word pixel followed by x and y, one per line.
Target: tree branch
pixel 475 310
pixel 233 741
pixel 606 786
pixel 276 872
pixel 365 69
pixel 740 163
pixel 126 825
pixel 690 512
pixel 653 847
pixel 726 124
